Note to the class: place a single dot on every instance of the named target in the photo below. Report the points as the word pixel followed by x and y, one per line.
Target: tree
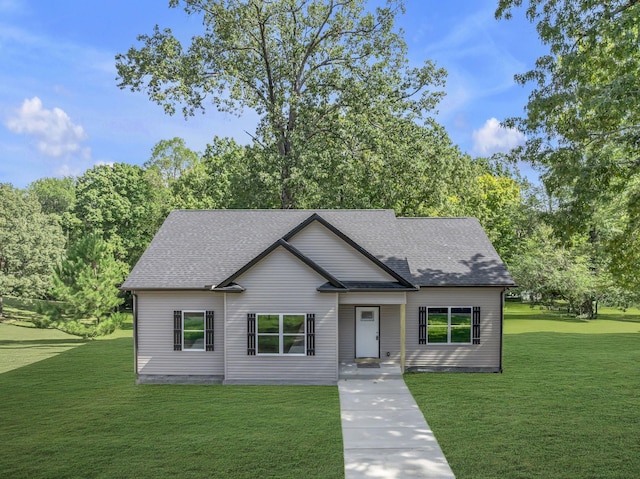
pixel 57 196
pixel 549 271
pixel 171 158
pixel 120 204
pixel 303 66
pixel 86 281
pixel 497 203
pixel 31 244
pixel 583 117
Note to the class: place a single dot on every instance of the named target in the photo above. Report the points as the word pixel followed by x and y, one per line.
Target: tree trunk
pixel 286 195
pixel 1 310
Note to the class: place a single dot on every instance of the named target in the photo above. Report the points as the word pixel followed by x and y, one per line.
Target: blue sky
pixel 61 111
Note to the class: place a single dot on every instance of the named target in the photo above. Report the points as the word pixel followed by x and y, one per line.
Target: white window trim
pixel 204 329
pixel 449 326
pixel 281 334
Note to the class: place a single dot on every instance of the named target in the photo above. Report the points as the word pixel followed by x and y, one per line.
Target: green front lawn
pixel 20 346
pixel 566 406
pixel 79 414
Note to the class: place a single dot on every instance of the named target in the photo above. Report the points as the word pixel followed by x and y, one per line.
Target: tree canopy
pixel 31 244
pixel 583 117
pixel 305 67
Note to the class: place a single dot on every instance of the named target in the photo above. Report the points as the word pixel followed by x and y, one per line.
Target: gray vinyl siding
pixel 336 256
pixel 347 332
pixel 483 355
pixel 389 332
pixel 155 333
pixel 281 283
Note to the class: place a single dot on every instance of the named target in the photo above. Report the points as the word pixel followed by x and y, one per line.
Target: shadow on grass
pixel 83 413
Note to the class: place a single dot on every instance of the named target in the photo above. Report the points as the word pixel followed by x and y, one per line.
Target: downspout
pixel 501 325
pixel 224 328
pixel 135 332
pixel 403 334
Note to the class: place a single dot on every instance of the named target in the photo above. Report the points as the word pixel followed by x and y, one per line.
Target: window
pixel 193 330
pixel 281 334
pixel 449 325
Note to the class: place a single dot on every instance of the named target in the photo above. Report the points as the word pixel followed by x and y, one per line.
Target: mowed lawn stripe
pixel 79 414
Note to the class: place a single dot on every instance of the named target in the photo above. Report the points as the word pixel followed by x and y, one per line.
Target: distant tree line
pixel 345 122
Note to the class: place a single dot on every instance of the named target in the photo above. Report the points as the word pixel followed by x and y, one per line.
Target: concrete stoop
pixel 387 370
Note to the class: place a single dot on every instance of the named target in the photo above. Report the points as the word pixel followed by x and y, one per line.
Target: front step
pixel 388 370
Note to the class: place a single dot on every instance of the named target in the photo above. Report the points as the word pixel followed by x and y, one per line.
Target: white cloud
pixel 57 136
pixel 494 138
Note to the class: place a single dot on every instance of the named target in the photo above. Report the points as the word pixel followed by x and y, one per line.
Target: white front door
pixel 367 332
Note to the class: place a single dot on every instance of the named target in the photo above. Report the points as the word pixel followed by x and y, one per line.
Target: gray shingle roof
pixel 194 248
pixel 451 251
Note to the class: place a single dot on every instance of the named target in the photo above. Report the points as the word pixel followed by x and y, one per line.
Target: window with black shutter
pixel 281 334
pixel 193 330
pixel 448 325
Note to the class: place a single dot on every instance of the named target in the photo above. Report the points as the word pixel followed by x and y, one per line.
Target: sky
pixel 61 111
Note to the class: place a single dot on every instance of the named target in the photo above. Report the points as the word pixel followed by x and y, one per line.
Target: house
pixel 286 296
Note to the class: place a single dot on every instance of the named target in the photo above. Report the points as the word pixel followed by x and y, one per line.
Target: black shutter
pixel 177 330
pixel 476 325
pixel 209 338
pixel 251 334
pixel 311 334
pixel 422 325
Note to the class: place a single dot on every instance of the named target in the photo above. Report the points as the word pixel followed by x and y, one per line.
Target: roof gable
pixel 291 249
pixel 343 257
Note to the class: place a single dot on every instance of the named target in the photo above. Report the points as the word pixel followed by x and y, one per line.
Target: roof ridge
pixel 437 218
pixel 305 210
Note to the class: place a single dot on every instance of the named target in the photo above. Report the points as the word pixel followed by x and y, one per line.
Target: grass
pixel 79 414
pixel 567 405
pixel 20 346
pixel 28 344
pixel 20 311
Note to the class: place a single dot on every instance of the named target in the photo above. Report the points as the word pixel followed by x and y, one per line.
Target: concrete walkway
pixel 385 435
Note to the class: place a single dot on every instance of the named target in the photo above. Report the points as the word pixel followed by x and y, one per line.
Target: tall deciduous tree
pixel 57 196
pixel 302 65
pixel 31 244
pixel 119 203
pixel 583 116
